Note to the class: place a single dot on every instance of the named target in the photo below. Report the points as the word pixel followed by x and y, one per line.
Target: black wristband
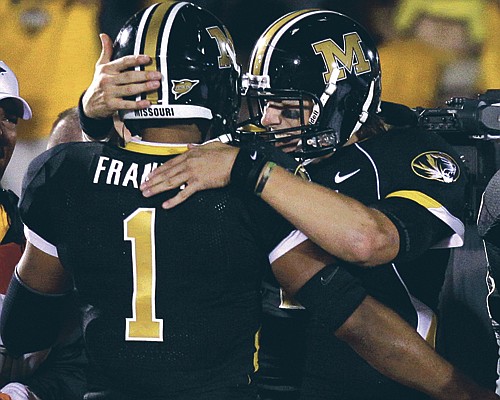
pixel 331 296
pixel 97 129
pixel 252 158
pixel 246 168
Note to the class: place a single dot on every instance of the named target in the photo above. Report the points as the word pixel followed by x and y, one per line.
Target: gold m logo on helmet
pixel 225 46
pixel 351 57
pixel 180 88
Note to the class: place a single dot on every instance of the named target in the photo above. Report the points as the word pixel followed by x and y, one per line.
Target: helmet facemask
pixel 313 140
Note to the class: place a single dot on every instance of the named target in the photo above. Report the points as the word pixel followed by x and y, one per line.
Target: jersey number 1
pixel 139 230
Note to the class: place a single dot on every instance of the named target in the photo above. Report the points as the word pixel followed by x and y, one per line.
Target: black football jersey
pixel 170 298
pixel 414 166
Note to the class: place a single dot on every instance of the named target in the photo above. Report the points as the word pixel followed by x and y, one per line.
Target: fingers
pixel 169 177
pixel 180 197
pixel 201 167
pixel 106 49
pixel 132 89
pixel 120 66
pixel 116 83
pixel 129 77
pixel 119 80
pixel 164 179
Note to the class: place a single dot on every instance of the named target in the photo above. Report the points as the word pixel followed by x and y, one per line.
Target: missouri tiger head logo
pixel 180 88
pixel 437 166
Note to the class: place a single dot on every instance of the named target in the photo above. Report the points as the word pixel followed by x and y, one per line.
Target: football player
pixel 170 300
pixel 386 203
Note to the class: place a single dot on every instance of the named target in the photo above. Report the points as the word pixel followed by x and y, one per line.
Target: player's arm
pixel 112 82
pixel 33 307
pixel 379 335
pixel 340 224
pixel 363 235
pixel 391 346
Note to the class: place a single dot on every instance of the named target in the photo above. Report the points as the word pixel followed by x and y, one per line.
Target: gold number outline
pixel 138 228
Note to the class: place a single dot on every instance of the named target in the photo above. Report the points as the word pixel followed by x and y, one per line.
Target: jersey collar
pixel 163 149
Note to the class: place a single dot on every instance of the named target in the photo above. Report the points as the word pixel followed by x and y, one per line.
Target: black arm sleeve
pixel 331 296
pixel 30 321
pixel 252 158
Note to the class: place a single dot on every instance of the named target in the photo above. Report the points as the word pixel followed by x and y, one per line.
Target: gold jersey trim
pixel 4 222
pixel 161 149
pixel 418 197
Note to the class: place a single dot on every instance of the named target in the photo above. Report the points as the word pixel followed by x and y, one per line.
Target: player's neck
pixel 172 134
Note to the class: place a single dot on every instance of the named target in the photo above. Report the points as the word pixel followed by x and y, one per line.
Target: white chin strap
pixel 364 110
pixel 330 89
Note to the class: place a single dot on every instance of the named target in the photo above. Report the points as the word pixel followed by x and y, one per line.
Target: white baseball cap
pixel 9 88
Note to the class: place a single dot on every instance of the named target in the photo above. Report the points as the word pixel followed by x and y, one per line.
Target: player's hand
pixel 206 166
pixel 4 396
pixel 112 82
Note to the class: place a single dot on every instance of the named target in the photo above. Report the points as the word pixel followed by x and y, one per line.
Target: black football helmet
pixel 195 54
pixel 317 55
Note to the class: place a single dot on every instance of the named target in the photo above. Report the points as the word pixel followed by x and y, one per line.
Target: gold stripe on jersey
pixel 151 41
pixel 4 222
pixel 417 197
pixel 432 332
pixel 256 352
pixel 258 56
pixel 156 149
pixel 436 208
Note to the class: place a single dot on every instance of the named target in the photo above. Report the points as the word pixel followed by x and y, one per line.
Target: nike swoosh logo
pixel 325 281
pixel 341 178
pixel 253 156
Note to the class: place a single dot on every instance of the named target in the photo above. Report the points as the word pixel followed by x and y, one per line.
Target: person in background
pixel 51 44
pixel 66 128
pixel 12 108
pixel 435 50
pixel 488 226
